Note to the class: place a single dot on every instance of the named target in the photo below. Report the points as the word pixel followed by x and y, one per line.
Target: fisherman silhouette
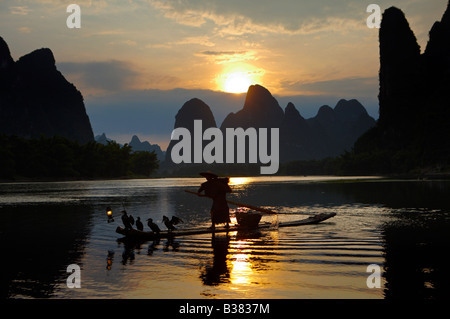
pixel 217 189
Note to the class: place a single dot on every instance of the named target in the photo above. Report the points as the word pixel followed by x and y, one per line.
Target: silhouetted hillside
pixel 136 145
pixel 145 146
pixel 413 130
pixel 336 130
pixel 36 99
pixel 260 109
pixel 194 109
pixel 102 139
pixel 297 137
pixel 329 133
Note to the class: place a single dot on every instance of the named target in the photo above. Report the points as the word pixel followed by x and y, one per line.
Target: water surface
pixel 402 226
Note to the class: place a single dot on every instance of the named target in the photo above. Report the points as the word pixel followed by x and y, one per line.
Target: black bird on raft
pixel 153 226
pixel 171 222
pixel 126 220
pixel 139 224
pixel 131 219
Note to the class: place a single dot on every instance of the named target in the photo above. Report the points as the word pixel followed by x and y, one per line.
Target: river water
pixel 401 227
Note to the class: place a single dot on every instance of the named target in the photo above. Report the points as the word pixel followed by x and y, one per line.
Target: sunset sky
pixel 137 62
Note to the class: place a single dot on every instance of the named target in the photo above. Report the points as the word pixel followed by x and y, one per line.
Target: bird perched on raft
pixel 153 226
pixel 126 220
pixel 171 222
pixel 139 224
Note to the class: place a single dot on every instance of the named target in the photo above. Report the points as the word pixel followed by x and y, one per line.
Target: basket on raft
pixel 247 218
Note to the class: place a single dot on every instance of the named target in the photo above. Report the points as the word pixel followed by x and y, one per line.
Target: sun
pixel 237 83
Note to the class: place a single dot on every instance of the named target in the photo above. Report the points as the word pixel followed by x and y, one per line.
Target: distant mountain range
pixel 136 145
pixel 328 134
pixel 36 99
pixel 413 130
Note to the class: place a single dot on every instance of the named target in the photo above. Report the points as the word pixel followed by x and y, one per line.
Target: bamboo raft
pixel 149 235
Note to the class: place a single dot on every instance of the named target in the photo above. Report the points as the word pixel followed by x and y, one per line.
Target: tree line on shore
pixel 60 158
pixel 353 162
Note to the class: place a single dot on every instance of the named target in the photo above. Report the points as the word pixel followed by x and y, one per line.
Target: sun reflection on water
pixel 240 264
pixel 241 270
pixel 239 181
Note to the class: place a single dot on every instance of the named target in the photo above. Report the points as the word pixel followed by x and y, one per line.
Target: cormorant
pixel 126 220
pixel 171 222
pixel 153 226
pixel 139 224
pixel 131 219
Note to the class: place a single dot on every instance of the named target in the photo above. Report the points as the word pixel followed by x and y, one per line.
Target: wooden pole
pixel 259 209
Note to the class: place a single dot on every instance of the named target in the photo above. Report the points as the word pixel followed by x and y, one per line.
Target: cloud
pixel 158 46
pixel 107 77
pixel 352 86
pixel 107 33
pixel 289 17
pixel 215 53
pixel 20 10
pixel 286 17
pixel 24 29
pixel 220 57
pixel 181 15
pixel 101 76
pixel 124 42
pixel 203 40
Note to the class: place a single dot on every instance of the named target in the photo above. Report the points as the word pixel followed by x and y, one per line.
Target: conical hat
pixel 208 175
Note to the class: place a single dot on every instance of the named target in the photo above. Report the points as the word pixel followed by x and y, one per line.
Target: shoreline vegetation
pixel 58 159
